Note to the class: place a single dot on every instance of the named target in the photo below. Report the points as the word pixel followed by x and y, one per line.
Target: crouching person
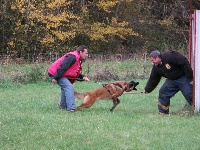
pixel 178 73
pixel 65 71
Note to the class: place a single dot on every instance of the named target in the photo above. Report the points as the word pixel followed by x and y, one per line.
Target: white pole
pixel 196 51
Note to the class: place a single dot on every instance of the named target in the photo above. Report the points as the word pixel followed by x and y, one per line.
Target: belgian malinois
pixel 108 91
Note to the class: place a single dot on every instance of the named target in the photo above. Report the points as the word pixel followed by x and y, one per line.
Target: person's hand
pixel 54 81
pixel 85 78
pixel 145 92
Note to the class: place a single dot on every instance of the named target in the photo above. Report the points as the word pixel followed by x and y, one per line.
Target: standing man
pixel 178 73
pixel 65 71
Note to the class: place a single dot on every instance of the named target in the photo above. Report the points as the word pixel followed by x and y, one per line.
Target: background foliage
pixel 117 26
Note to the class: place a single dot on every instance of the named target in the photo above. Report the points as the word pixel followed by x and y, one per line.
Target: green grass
pixel 30 119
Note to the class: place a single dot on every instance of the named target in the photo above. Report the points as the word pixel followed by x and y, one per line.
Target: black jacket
pixel 173 66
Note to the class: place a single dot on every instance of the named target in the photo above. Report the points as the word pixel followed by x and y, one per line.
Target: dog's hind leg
pixel 87 102
pixel 84 105
pixel 116 101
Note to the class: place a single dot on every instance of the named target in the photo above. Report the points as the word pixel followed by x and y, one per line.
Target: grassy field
pixel 30 119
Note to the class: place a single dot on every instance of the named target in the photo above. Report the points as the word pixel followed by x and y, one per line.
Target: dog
pixel 108 91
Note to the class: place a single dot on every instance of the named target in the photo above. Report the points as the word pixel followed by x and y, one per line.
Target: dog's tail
pixel 80 96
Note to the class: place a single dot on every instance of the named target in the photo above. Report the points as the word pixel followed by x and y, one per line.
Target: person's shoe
pixel 187 107
pixel 62 107
pixel 71 110
pixel 161 113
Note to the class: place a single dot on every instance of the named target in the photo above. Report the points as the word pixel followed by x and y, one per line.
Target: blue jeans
pixel 170 88
pixel 67 94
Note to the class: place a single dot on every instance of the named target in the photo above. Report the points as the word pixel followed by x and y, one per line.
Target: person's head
pixel 82 49
pixel 155 57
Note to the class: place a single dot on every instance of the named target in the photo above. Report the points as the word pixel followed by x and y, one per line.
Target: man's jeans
pixel 170 88
pixel 67 94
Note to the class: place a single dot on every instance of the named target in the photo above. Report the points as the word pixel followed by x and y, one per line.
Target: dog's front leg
pixel 116 101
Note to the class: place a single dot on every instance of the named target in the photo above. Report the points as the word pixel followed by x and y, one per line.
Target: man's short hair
pixel 155 54
pixel 81 48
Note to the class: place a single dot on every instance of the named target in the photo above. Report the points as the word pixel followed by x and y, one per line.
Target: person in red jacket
pixel 65 71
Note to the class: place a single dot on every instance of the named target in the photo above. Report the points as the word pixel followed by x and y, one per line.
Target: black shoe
pixel 161 113
pixel 62 107
pixel 187 107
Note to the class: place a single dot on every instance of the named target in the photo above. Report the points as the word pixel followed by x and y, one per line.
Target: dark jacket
pixel 173 66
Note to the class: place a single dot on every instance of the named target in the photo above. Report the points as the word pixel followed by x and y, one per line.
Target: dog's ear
pixel 134 83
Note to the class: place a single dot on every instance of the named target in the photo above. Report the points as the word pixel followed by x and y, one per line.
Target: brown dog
pixel 108 91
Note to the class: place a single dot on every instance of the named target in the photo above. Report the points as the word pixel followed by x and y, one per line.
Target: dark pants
pixel 170 88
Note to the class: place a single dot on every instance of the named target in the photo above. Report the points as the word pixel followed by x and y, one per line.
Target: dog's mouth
pixel 135 84
pixel 132 86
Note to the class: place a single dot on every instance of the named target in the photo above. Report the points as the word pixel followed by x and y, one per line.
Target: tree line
pixel 104 26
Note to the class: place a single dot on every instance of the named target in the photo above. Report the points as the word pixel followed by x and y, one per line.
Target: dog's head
pixel 131 86
pixel 126 86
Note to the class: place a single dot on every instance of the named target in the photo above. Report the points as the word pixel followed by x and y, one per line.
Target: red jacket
pixel 72 72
